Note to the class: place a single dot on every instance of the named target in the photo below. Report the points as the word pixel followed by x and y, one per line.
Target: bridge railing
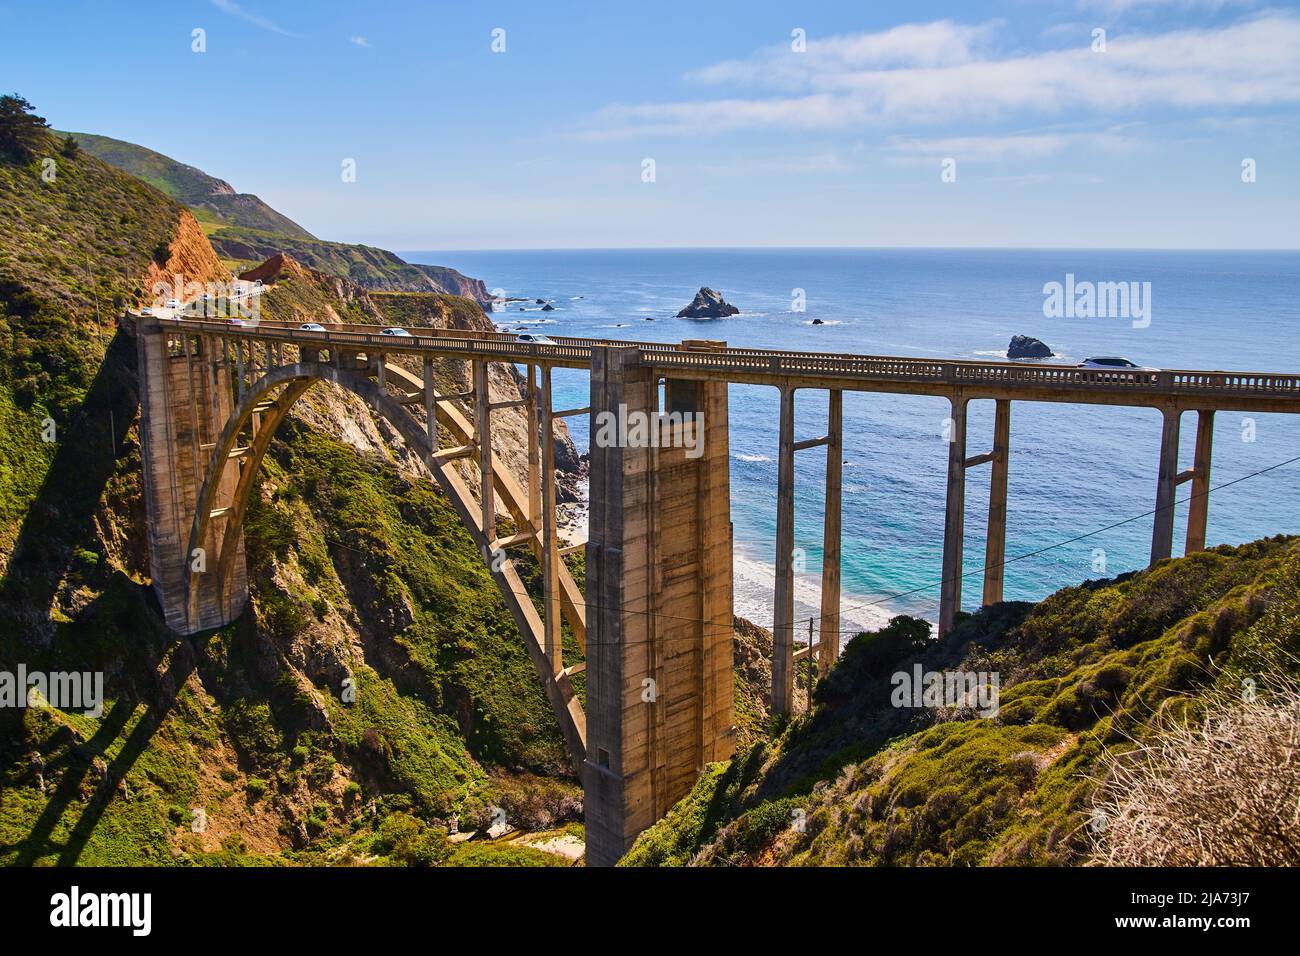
pixel 996 374
pixel 506 346
pixel 1267 383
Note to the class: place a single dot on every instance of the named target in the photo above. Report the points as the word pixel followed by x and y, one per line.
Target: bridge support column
pixel 659 612
pixel 1162 534
pixel 1199 507
pixel 430 408
pixel 783 600
pixel 954 516
pixel 534 450
pixel 828 638
pixel 181 416
pixel 550 544
pixel 483 429
pixel 239 370
pixel 995 547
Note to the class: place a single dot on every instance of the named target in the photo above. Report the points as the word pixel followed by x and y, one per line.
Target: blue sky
pixel 753 143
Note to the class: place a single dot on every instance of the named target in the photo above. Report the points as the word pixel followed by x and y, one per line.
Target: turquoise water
pixel 1073 469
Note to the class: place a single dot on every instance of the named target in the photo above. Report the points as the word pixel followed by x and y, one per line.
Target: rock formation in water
pixel 1026 346
pixel 708 304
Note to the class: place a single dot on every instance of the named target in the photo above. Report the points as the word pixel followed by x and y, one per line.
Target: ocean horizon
pixel 1074 470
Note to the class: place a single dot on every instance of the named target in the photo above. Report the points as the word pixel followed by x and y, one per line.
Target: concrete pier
pixel 828 636
pixel 1199 507
pixel 1162 534
pixel 185 399
pixel 995 547
pixel 783 599
pixel 659 659
pixel 954 521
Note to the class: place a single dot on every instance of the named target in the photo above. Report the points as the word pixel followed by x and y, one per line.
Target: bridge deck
pixel 1178 388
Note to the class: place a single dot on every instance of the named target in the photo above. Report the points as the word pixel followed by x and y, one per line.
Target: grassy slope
pixel 72 253
pixel 209 197
pixel 378 541
pixel 1082 671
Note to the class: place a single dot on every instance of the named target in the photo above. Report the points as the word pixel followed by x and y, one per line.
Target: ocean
pixel 1073 469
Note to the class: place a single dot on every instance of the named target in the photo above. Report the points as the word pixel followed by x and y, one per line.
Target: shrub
pixel 1221 792
pixel 397 829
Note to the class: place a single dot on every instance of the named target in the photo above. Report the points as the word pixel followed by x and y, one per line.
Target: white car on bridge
pixel 1115 363
pixel 1123 369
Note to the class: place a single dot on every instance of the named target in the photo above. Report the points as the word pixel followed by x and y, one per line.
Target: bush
pixel 397 829
pixel 1220 792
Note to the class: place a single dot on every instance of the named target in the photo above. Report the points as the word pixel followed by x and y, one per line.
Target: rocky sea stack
pixel 1028 347
pixel 708 304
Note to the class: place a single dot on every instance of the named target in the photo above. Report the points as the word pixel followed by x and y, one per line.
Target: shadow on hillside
pixel 61 517
pixel 39 841
pixel 178 672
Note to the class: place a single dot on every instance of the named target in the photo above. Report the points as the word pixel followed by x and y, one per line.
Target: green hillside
pixel 212 200
pixel 1085 675
pixel 246 231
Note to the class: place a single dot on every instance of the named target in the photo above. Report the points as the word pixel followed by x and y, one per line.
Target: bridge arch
pixel 271 398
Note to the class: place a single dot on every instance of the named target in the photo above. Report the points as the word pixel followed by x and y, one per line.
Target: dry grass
pixel 1225 792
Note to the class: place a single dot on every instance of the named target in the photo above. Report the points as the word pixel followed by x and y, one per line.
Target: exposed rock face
pixel 190 257
pixel 548 307
pixel 271 270
pixel 1026 346
pixel 708 304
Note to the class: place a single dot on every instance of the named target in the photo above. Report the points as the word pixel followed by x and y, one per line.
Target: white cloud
pixel 943 72
pixel 1013 146
pixel 979 149
pixel 910 45
pixel 235 10
pixel 360 41
pixel 1123 6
